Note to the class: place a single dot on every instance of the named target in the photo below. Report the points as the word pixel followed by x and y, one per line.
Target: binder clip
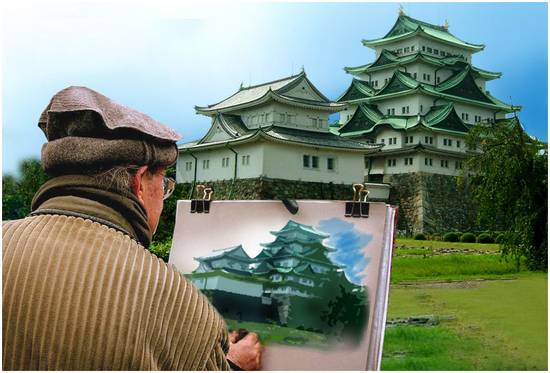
pixel 358 207
pixel 202 205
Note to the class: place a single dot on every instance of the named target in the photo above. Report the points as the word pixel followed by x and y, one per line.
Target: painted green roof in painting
pixel 388 59
pixel 293 227
pixel 406 27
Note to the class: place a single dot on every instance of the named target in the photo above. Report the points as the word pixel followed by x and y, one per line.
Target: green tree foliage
pixel 17 192
pixel 165 229
pixel 508 174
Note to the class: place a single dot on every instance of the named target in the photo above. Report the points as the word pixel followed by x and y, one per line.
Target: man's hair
pixel 118 177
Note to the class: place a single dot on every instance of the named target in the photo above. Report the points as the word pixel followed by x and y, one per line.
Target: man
pixel 80 290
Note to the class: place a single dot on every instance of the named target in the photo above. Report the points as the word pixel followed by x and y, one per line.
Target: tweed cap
pixel 88 132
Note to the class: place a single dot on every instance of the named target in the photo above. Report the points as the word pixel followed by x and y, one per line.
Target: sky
pixel 163 58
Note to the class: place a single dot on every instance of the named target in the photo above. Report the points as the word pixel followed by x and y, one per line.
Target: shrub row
pixel 484 237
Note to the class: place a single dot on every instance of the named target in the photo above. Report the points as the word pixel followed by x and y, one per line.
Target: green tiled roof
pixel 406 27
pixel 358 89
pixel 459 87
pixel 388 59
pixel 365 117
pixel 439 118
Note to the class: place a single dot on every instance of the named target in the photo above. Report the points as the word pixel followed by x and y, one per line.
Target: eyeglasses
pixel 168 186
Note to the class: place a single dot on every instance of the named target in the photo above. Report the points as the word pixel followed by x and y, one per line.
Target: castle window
pixel 428 76
pixel 385 80
pixel 412 48
pixel 382 141
pixel 367 162
pixel 444 163
pixel 438 80
pixel 188 166
pixel 395 140
pixel 225 162
pixel 408 161
pixel 245 160
pixel 389 111
pixel 390 141
pixel 394 162
pixel 314 122
pixel 428 161
pixel 458 143
pixel 424 76
pixel 458 165
pixel 330 164
pixel 399 50
pixel 429 50
pixel 307 161
pixel 393 111
pixel 314 161
pixel 406 50
pixel 421 108
pixel 423 48
pixel 205 163
pixel 436 51
pixel 414 75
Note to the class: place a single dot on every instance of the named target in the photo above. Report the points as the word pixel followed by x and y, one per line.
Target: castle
pixel 403 123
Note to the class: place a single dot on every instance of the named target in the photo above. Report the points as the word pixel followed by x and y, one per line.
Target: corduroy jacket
pixel 78 295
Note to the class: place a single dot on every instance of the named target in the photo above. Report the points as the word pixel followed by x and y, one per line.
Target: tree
pixel 17 193
pixel 508 176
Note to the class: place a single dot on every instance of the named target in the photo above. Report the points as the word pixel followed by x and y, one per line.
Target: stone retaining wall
pixel 431 203
pixel 266 188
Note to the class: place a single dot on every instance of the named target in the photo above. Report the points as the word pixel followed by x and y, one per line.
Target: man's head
pixel 126 150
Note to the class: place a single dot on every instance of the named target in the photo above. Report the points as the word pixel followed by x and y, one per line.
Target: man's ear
pixel 137 184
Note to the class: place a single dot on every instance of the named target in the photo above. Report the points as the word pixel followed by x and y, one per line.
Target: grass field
pixel 497 316
pixel 410 243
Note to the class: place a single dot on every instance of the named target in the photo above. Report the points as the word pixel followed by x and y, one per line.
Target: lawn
pixel 450 267
pixel 410 243
pixel 497 325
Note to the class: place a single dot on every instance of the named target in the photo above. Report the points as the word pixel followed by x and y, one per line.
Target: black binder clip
pixel 202 205
pixel 358 207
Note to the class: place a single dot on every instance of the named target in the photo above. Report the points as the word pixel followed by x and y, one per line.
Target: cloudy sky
pixel 163 58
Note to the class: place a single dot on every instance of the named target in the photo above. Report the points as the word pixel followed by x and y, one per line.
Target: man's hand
pixel 245 351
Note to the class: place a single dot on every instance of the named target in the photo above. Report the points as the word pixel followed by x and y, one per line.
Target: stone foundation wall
pixel 431 203
pixel 266 188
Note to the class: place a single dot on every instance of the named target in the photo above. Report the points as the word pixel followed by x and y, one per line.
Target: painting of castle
pixel 292 282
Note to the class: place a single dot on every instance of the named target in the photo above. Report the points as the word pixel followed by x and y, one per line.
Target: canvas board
pixel 314 285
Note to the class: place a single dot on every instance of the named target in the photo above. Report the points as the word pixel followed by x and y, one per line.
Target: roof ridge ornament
pixel 446 25
pixel 401 10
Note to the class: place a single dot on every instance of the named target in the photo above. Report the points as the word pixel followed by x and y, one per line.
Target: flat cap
pixel 87 131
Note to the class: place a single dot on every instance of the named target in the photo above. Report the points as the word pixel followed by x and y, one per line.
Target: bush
pixel 500 238
pixel 161 249
pixel 451 237
pixel 420 237
pixel 468 237
pixel 485 238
